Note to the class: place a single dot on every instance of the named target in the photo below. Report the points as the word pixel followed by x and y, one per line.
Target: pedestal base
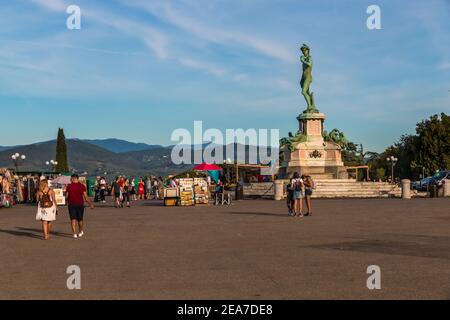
pixel 314 157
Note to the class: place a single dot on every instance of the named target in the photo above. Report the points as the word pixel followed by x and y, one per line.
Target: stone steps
pixel 332 188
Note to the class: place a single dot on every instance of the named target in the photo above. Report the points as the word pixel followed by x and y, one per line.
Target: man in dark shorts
pixel 76 195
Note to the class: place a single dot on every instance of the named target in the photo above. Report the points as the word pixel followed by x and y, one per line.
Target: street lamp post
pixel 53 163
pixel 16 158
pixel 393 160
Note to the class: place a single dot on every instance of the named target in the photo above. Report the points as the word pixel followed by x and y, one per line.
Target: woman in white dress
pixel 47 208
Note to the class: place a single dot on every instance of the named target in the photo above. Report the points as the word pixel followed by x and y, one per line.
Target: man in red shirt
pixel 76 195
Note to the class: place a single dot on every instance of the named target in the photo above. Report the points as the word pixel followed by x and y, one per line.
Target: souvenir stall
pixel 201 191
pixel 6 188
pixel 59 187
pixel 188 192
pixel 186 186
pixel 171 196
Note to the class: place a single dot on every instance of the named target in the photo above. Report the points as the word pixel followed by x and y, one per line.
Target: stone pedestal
pixel 311 125
pixel 315 157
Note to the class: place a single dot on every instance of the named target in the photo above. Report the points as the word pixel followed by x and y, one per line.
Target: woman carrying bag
pixel 47 208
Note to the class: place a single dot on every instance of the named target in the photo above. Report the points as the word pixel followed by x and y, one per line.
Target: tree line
pixel 422 153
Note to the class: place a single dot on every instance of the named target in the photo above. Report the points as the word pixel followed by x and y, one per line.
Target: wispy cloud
pixel 151 37
pixel 444 66
pixel 195 64
pixel 54 5
pixel 225 36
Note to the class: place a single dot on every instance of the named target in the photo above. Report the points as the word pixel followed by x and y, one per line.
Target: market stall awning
pixel 207 167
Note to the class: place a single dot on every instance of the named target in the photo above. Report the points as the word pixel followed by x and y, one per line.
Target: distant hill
pixel 119 146
pixel 86 157
pixel 2 148
pixel 95 160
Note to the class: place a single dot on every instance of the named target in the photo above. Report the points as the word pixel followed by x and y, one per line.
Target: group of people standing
pixel 299 188
pixel 76 196
pixel 125 190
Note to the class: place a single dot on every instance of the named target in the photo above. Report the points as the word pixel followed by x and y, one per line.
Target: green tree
pixel 427 150
pixel 351 155
pixel 380 173
pixel 432 150
pixel 61 152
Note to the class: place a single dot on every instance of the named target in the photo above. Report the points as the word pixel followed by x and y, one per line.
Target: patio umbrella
pixel 215 175
pixel 207 167
pixel 63 180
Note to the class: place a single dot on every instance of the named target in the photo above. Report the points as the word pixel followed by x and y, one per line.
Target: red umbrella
pixel 207 167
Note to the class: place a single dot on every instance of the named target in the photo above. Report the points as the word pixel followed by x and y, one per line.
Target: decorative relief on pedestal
pixel 315 154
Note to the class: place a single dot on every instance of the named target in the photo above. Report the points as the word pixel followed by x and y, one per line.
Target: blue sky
pixel 139 69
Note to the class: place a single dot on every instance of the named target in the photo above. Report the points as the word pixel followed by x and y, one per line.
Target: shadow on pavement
pixel 21 233
pixel 261 214
pixel 31 232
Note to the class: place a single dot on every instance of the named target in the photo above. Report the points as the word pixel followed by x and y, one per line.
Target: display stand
pixel 171 197
pixel 186 192
pixel 201 192
pixel 59 196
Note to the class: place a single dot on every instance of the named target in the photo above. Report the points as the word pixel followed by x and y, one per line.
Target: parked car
pixel 424 183
pixel 416 185
pixel 438 178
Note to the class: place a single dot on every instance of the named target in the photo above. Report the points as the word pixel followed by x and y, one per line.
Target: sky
pixel 138 70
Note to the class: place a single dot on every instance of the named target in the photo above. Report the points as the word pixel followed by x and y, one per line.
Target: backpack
pixel 288 188
pixel 46 200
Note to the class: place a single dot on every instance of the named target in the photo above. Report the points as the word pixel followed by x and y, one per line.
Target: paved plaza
pixel 250 250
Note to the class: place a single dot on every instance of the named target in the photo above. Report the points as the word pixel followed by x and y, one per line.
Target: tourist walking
pixel 155 189
pixel 102 186
pixel 160 187
pixel 126 192
pixel 297 186
pixel 76 195
pixel 148 187
pixel 141 189
pixel 117 192
pixel 309 187
pixel 290 199
pixel 132 188
pixel 47 208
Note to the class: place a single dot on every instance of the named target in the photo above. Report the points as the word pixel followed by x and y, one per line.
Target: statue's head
pixel 305 49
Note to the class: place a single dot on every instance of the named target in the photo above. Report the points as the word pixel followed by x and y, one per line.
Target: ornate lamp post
pixel 16 158
pixel 393 160
pixel 53 163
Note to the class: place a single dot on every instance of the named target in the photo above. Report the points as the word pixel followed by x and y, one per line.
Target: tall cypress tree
pixel 61 152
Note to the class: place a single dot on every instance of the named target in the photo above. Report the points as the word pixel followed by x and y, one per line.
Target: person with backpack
pixel 290 199
pixel 47 207
pixel 297 186
pixel 309 187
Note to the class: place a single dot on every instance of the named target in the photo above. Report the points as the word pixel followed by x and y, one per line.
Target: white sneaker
pixel 75 236
pixel 81 234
